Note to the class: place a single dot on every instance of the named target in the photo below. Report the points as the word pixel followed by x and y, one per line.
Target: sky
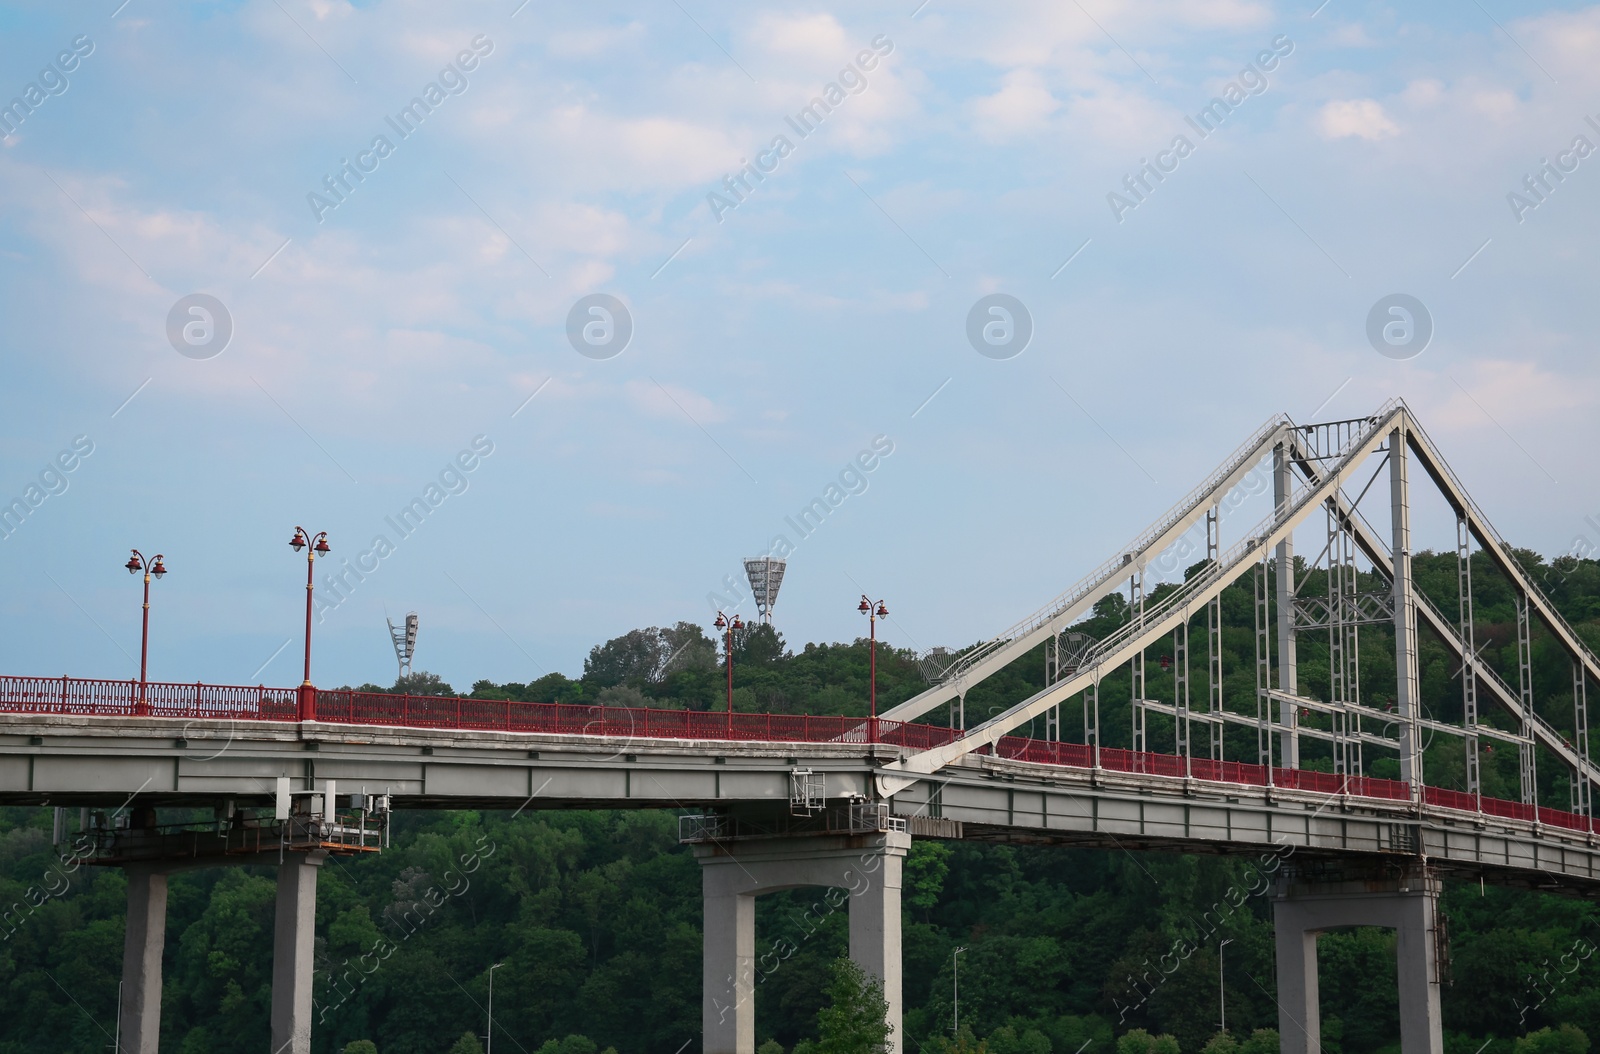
pixel 603 298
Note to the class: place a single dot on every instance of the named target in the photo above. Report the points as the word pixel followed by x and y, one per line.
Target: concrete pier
pixel 861 874
pixel 294 935
pixel 142 946
pixel 1407 903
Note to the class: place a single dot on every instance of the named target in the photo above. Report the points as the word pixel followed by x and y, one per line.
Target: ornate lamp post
pixel 318 546
pixel 873 613
pixel 135 564
pixel 728 626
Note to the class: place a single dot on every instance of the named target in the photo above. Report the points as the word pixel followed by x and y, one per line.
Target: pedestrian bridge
pixel 777 801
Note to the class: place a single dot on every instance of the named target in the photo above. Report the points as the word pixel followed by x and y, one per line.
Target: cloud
pixel 1357 118
pixel 673 401
pixel 1022 106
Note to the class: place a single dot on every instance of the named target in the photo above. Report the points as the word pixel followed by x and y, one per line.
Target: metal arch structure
pixel 1314 467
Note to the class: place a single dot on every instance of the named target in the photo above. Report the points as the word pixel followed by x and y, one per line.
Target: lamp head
pixel 721 622
pixel 883 612
pixel 321 548
pixel 158 568
pixel 298 542
pixel 737 622
pixel 133 565
pixel 865 607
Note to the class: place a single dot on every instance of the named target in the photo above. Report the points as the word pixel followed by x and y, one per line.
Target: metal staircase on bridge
pixel 1312 467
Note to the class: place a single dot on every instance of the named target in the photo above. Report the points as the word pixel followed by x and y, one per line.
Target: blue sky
pixel 772 342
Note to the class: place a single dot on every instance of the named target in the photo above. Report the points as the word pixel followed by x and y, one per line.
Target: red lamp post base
pixel 306 705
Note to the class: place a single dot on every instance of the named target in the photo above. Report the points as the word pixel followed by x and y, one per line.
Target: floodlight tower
pixel 405 642
pixel 766 575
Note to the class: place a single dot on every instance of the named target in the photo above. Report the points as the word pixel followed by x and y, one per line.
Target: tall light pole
pixel 955 989
pixel 488 1044
pixel 1222 993
pixel 318 546
pixel 135 564
pixel 728 626
pixel 873 615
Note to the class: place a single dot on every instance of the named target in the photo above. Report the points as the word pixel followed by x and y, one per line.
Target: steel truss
pixel 1311 467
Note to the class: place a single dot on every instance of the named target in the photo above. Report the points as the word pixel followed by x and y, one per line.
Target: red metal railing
pixel 106 698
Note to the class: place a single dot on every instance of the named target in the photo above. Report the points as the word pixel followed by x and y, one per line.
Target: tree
pixel 422 683
pixel 1138 1041
pixel 467 1044
pixel 360 1046
pixel 1267 1041
pixel 1568 1039
pixel 855 1021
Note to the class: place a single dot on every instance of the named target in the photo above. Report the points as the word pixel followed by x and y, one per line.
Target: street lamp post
pixel 135 564
pixel 728 626
pixel 1222 993
pixel 873 613
pixel 488 1040
pixel 955 989
pixel 318 546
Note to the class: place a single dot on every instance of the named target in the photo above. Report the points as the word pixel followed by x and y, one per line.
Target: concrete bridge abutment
pixel 862 874
pixel 1407 902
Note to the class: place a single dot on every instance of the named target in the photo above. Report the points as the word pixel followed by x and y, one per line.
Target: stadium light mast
pixel 405 642
pixel 765 574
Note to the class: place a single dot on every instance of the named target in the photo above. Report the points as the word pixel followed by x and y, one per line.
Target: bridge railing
pixel 85 697
pixel 107 698
pixel 499 715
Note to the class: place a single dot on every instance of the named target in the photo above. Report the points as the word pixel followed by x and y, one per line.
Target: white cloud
pixel 1022 106
pixel 1357 118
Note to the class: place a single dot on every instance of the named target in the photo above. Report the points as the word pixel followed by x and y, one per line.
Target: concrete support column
pixel 294 931
pixel 142 945
pixel 863 873
pixel 1299 1004
pixel 728 972
pixel 1417 959
pixel 875 930
pixel 1408 904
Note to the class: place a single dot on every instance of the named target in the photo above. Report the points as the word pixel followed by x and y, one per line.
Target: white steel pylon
pixel 1328 462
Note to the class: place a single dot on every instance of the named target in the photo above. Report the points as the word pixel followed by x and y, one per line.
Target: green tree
pixel 1568 1039
pixel 467 1044
pixel 360 1046
pixel 926 868
pixel 569 1045
pixel 1266 1041
pixel 422 683
pixel 855 1021
pixel 1139 1041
